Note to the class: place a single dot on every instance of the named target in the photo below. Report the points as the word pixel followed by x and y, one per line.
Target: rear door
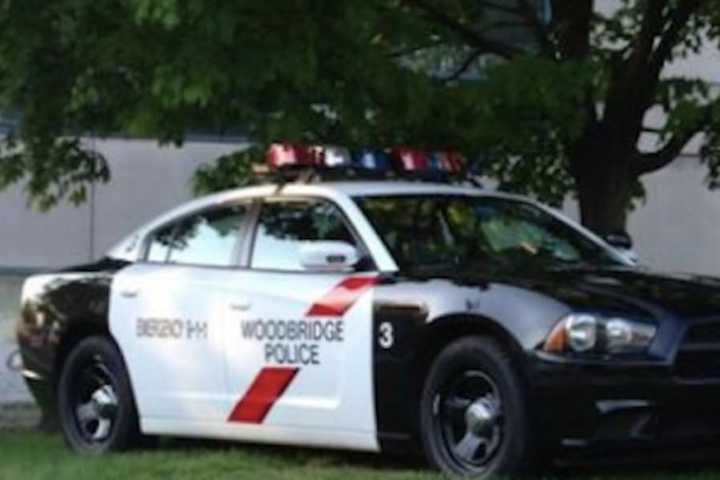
pixel 168 313
pixel 299 342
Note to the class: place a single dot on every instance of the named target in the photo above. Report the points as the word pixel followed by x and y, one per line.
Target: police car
pixel 396 315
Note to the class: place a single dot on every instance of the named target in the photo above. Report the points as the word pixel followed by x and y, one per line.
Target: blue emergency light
pixel 399 160
pixel 372 160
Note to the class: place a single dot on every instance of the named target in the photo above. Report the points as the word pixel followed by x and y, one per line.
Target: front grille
pixel 703 334
pixel 699 355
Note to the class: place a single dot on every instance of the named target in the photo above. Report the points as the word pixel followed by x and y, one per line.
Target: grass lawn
pixel 39 456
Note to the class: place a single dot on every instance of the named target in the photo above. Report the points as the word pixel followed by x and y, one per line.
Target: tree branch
pixel 652 25
pixel 649 68
pixel 414 49
pixel 632 85
pixel 503 24
pixel 654 130
pixel 572 20
pixel 651 162
pixel 498 6
pixel 468 34
pixel 671 36
pixel 464 67
pixel 531 16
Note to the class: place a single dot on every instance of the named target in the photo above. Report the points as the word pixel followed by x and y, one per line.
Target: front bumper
pixel 623 405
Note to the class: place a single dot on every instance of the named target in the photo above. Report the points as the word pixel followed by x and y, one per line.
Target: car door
pixel 167 314
pixel 299 341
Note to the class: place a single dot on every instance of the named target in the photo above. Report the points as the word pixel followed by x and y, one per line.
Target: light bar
pixel 283 155
pixel 372 160
pixel 410 160
pixel 448 161
pixel 334 157
pixel 400 159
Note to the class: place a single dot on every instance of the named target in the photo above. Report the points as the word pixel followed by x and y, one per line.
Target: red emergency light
pixel 400 159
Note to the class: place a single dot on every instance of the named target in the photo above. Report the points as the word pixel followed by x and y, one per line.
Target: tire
pixel 474 413
pixel 96 406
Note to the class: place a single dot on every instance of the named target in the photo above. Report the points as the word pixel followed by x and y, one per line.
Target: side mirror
pixel 328 256
pixel 619 240
pixel 623 244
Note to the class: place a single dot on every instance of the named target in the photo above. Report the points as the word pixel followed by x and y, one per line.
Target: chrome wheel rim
pixel 95 406
pixel 471 419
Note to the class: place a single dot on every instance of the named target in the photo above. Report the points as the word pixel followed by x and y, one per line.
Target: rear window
pixel 207 238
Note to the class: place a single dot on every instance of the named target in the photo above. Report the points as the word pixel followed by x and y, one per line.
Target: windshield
pixel 432 231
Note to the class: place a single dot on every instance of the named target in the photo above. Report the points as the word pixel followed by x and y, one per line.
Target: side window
pixel 207 238
pixel 284 226
pixel 412 228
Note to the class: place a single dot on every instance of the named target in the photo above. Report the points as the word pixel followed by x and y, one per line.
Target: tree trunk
pixel 604 184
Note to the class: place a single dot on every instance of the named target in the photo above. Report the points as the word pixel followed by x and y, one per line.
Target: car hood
pixel 634 291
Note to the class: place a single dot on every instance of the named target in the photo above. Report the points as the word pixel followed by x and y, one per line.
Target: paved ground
pixel 16 406
pixel 18 416
pixel 12 388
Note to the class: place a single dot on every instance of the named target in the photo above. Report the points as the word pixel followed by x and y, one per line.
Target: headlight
pixel 583 333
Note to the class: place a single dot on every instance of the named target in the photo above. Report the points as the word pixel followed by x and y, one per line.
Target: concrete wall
pixel 677 228
pixel 146 181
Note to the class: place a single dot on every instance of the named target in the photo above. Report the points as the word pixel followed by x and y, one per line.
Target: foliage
pixel 36 456
pixel 562 110
pixel 39 456
pixel 227 172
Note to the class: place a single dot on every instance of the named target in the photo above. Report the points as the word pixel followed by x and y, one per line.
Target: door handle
pixel 129 293
pixel 241 306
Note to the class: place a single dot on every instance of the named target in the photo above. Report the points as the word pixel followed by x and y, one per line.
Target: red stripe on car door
pixel 343 296
pixel 271 382
pixel 268 386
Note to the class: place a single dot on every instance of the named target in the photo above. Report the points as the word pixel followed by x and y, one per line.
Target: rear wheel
pixel 96 406
pixel 474 414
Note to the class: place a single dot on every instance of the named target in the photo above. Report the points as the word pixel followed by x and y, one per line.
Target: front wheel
pixel 474 413
pixel 95 402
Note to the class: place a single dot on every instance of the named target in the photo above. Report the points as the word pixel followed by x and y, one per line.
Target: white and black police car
pixel 484 329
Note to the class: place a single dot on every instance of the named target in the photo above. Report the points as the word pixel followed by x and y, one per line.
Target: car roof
pixel 352 188
pixel 357 188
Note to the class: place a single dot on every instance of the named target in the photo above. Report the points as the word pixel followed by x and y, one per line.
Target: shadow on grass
pixel 656 464
pixel 311 456
pixel 651 464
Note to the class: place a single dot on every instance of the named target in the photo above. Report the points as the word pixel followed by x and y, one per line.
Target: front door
pixel 299 341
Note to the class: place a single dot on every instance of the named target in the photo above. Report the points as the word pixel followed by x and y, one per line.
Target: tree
pixel 630 50
pixel 560 114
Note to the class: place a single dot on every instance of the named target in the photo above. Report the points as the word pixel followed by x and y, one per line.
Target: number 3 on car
pixel 376 316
